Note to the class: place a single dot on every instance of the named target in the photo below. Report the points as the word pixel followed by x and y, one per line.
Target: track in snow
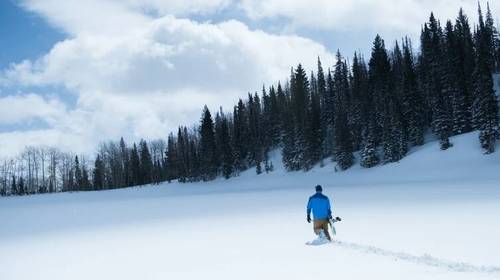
pixel 425 259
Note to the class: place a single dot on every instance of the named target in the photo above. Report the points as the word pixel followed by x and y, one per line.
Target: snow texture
pixel 433 215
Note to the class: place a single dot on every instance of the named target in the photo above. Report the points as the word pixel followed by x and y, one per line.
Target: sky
pixel 76 73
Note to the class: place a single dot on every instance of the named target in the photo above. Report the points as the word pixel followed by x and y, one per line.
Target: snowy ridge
pixel 425 259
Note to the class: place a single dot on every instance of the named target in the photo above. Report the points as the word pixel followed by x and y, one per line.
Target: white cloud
pixel 179 7
pixel 141 76
pixel 15 109
pixel 12 143
pixel 384 16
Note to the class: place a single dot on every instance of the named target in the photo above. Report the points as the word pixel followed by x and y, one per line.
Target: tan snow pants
pixel 319 225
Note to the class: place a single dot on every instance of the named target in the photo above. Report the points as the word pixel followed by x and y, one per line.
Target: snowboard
pixel 322 240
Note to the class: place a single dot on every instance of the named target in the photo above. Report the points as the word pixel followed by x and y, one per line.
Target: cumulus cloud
pixel 359 14
pixel 390 17
pixel 179 7
pixel 141 75
pixel 15 109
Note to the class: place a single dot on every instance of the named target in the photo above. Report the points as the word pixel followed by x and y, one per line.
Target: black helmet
pixel 319 188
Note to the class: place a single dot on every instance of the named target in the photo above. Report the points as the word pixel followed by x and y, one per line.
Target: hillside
pixel 433 215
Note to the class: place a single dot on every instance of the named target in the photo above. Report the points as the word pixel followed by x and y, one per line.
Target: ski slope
pixel 434 215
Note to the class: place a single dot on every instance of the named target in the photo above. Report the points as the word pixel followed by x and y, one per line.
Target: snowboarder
pixel 322 213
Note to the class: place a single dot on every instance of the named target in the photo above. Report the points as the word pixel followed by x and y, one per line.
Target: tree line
pixel 380 109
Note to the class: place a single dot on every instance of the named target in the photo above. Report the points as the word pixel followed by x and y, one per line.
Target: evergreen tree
pixel 369 155
pixel 85 180
pixel 207 146
pixel 146 164
pixel 125 164
pixel 185 154
pixel 172 158
pixel 13 188
pixel 299 90
pixel 314 134
pixel 485 106
pixel 71 181
pixel 98 174
pixel 224 145
pixel 342 135
pixel 464 75
pixel 21 188
pixel 289 136
pixel 329 115
pixel 396 143
pixel 241 135
pixel 377 130
pixel 78 184
pixel 295 121
pixel 379 79
pixel 489 33
pixel 412 104
pixel 256 145
pixel 135 163
pixel 439 95
pixel 194 164
pixel 451 80
pixel 325 107
pixel 359 89
pixel 273 117
pixel 283 106
pixel 266 124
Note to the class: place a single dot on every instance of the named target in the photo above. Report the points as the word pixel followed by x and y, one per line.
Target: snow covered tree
pixel 224 145
pixel 342 135
pixel 125 164
pixel 314 134
pixel 326 111
pixel 98 174
pixel 78 175
pixel 485 105
pixel 86 186
pixel 464 51
pixel 241 135
pixel 172 158
pixel 412 106
pixel 146 164
pixel 135 163
pixel 436 92
pixel 295 142
pixel 207 147
pixel 397 143
pixel 256 145
pixel 369 155
pixel 358 108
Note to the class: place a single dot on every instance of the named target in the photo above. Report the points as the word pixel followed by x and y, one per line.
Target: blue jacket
pixel 320 206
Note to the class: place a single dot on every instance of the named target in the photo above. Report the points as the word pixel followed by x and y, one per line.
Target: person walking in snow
pixel 319 204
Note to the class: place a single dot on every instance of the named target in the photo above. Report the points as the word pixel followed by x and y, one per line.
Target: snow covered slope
pixel 434 215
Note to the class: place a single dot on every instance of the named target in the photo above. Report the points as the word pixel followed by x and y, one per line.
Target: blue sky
pixel 25 35
pixel 76 73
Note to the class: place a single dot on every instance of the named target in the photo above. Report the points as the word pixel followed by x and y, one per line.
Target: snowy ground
pixel 434 215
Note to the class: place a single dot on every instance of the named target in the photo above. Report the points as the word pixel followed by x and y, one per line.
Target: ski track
pixel 425 259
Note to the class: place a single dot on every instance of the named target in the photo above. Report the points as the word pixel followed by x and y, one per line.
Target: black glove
pixel 338 219
pixel 309 218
